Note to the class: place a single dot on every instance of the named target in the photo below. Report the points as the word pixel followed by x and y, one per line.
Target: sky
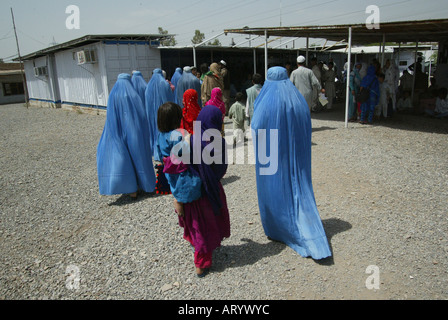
pixel 41 23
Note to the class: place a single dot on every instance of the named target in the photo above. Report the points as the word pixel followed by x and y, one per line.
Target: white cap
pixel 301 59
pixel 223 62
pixel 187 69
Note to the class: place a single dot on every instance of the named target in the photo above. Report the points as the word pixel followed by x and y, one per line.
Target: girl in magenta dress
pixel 206 220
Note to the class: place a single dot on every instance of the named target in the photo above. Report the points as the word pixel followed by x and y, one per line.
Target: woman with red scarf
pixel 190 111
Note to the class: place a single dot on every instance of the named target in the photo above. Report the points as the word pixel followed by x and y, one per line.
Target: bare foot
pixel 179 207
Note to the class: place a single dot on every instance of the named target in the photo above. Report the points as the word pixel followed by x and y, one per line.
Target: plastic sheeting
pixel 157 92
pixel 124 163
pixel 187 81
pixel 286 200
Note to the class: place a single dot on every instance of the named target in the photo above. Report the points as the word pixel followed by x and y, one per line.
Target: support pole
pixel 194 56
pixel 430 66
pixel 349 60
pixel 22 66
pixel 307 46
pixel 255 60
pixel 265 53
pixel 415 71
pixel 383 49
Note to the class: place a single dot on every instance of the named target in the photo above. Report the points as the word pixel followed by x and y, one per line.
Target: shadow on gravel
pixel 399 121
pixel 322 129
pixel 125 199
pixel 332 227
pixel 229 179
pixel 244 254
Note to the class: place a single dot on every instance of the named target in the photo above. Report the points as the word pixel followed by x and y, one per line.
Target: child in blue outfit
pixel 184 185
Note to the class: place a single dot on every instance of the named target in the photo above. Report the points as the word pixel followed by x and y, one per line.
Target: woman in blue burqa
pixel 124 161
pixel 285 193
pixel 370 82
pixel 176 76
pixel 139 84
pixel 187 81
pixel 157 92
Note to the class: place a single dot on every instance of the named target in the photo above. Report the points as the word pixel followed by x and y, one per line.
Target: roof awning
pixel 406 31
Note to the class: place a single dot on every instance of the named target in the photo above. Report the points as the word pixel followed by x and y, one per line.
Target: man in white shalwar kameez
pixel 391 78
pixel 385 96
pixel 329 79
pixel 305 80
pixel 318 73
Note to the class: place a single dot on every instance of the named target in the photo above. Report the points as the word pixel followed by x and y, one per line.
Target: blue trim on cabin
pixel 72 103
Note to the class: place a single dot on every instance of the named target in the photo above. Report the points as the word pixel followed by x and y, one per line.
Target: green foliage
pixel 198 37
pixel 170 41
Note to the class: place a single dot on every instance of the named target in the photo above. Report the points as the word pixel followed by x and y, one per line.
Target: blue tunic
pixel 124 161
pixel 157 92
pixel 185 186
pixel 286 200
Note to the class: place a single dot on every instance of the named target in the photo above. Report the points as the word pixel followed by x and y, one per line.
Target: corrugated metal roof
pixel 88 39
pixel 405 31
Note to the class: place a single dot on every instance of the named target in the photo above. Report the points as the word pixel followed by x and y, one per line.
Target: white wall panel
pixel 39 87
pixel 81 84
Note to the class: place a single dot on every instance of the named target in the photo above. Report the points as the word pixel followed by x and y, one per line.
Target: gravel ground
pixel 382 193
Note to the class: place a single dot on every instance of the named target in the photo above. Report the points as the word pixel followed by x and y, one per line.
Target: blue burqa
pixel 176 76
pixel 123 158
pixel 187 81
pixel 139 84
pixel 285 196
pixel 157 92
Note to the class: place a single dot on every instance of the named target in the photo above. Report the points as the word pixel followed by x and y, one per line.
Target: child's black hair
pixel 169 117
pixel 239 97
pixel 257 78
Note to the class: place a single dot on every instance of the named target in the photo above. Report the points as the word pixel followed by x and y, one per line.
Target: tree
pixel 216 42
pixel 170 41
pixel 198 37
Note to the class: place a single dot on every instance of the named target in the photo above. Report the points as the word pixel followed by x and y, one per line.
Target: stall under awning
pixel 403 31
pixel 359 34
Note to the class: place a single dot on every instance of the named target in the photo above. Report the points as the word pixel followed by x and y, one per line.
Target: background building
pixel 11 83
pixel 83 71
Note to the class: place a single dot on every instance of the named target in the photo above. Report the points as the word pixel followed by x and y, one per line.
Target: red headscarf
pixel 216 100
pixel 190 111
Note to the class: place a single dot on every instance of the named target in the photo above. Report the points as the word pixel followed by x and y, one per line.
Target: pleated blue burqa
pixel 286 200
pixel 157 92
pixel 176 76
pixel 139 84
pixel 124 162
pixel 187 81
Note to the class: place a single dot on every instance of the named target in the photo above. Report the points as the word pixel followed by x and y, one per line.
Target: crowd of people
pixel 375 92
pixel 151 128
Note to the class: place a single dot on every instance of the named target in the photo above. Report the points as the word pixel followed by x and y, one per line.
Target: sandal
pixel 204 273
